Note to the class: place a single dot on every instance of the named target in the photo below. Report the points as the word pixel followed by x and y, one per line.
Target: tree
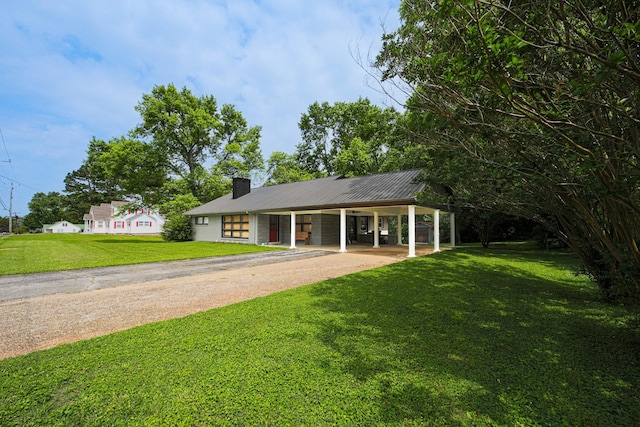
pixel 136 170
pixel 190 131
pixel 540 99
pixel 46 209
pixel 283 168
pixel 119 169
pixel 89 184
pixel 346 138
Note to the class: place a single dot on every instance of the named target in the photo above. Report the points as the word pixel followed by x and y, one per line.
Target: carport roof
pixel 334 192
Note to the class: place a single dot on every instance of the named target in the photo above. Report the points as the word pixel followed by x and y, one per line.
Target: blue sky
pixel 72 70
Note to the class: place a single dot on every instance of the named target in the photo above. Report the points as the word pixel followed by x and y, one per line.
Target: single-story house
pixel 324 212
pixel 112 218
pixel 62 227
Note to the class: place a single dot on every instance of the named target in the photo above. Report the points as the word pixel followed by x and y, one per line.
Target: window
pixel 380 222
pixel 202 220
pixel 303 223
pixel 235 226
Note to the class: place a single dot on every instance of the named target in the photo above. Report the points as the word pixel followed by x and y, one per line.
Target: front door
pixel 274 228
pixel 353 229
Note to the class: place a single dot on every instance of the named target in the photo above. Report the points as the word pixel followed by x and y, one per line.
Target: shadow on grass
pixel 478 336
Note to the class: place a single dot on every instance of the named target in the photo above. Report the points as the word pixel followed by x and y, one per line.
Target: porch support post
pixel 293 230
pixel 452 229
pixel 399 230
pixel 376 234
pixel 412 231
pixel 343 230
pixel 436 230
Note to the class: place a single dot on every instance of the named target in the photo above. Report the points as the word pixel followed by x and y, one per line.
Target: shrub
pixel 178 228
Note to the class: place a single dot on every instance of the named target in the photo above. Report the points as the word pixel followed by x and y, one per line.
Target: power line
pixel 8 156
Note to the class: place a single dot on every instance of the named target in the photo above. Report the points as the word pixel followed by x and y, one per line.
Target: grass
pixel 37 253
pixel 505 337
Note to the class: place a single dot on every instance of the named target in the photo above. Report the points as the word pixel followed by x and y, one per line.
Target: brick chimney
pixel 241 186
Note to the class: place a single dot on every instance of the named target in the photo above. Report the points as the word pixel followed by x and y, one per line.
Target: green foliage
pixel 177 229
pixel 470 337
pixel 190 131
pixel 526 108
pixel 37 253
pixel 48 208
pixel 119 169
pixel 346 138
pixel 283 168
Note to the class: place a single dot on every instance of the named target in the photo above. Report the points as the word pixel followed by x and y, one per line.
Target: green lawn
pixel 36 253
pixel 504 337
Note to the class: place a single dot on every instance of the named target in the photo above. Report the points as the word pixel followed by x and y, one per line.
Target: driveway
pixel 63 282
pixel 40 311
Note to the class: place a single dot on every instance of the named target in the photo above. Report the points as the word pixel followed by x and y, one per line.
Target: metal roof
pixel 387 189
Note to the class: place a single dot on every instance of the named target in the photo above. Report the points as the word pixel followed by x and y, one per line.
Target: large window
pixel 235 226
pixel 303 223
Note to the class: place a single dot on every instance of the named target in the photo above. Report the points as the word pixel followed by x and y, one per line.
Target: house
pixel 62 227
pixel 324 212
pixel 112 218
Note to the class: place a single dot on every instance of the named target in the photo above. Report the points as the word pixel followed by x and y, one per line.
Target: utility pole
pixel 10 197
pixel 10 208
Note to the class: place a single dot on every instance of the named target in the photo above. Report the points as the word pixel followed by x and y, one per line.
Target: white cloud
pixel 72 70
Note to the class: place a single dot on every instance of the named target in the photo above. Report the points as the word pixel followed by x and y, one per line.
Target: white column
pixel 293 231
pixel 343 230
pixel 399 230
pixel 376 233
pixel 436 230
pixel 452 229
pixel 412 232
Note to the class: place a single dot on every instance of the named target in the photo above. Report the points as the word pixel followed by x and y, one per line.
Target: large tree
pixel 121 168
pixel 347 138
pixel 537 103
pixel 283 168
pixel 47 209
pixel 191 132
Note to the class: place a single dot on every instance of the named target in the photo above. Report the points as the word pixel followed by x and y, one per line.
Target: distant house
pixel 111 218
pixel 324 212
pixel 62 227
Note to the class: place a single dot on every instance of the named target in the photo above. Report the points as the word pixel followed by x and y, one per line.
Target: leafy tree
pixel 190 131
pixel 46 209
pixel 4 224
pixel 240 154
pixel 135 169
pixel 119 169
pixel 89 184
pixel 345 138
pixel 283 168
pixel 540 101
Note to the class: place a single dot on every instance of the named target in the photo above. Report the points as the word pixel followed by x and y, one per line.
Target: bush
pixel 178 228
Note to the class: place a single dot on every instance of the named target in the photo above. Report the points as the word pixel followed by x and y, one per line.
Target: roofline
pixel 379 203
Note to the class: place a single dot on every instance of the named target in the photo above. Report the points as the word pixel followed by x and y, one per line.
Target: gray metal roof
pixel 388 189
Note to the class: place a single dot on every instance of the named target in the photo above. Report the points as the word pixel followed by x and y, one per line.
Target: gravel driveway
pixel 41 311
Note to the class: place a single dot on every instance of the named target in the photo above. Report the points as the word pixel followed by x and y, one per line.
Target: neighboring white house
pixel 110 218
pixel 62 227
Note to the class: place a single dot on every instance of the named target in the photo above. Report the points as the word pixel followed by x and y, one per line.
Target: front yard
pixel 505 337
